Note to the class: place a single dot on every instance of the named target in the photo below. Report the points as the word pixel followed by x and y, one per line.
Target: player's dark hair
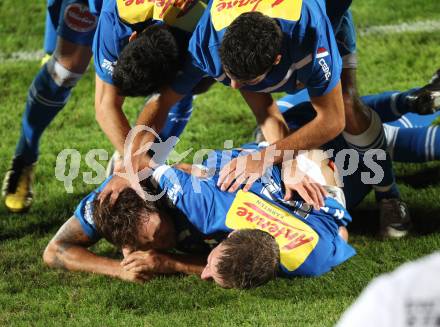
pixel 147 63
pixel 119 223
pixel 250 258
pixel 250 45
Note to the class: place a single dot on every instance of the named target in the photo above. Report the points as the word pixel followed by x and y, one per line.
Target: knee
pixel 61 75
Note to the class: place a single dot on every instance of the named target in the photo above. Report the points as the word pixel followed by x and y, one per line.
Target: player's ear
pixel 277 60
pixel 133 36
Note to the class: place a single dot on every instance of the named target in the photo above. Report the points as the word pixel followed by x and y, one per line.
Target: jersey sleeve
pixel 195 198
pixel 104 47
pixel 326 68
pixel 84 213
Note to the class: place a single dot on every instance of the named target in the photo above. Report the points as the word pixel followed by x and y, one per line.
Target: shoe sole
pixel 394 233
pixel 12 210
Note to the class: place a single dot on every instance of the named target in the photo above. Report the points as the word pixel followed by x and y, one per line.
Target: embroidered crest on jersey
pixel 79 18
pixel 223 12
pixel 295 238
pixel 183 14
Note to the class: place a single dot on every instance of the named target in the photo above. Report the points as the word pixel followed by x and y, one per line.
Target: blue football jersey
pixel 84 212
pixel 310 57
pixel 309 241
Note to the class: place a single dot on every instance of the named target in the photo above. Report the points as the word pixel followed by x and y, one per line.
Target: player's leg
pixel 419 144
pixel 392 105
pixel 364 133
pixel 47 95
pixel 388 105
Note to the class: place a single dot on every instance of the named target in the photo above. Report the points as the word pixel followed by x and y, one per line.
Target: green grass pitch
pixel 31 294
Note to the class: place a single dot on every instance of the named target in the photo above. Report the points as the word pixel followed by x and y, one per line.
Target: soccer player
pixel 160 36
pixel 131 224
pixel 75 24
pixel 283 46
pixel 136 224
pixel 139 47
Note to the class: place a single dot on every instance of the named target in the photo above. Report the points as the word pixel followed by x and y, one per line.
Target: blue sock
pixel 389 105
pixel 44 101
pixel 420 144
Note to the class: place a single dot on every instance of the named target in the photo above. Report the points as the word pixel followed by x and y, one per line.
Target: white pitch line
pixel 414 27
pixel 420 26
pixel 22 56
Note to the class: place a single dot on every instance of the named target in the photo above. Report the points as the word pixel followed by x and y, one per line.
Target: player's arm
pixel 267 114
pixel 153 116
pixel 109 114
pixel 328 123
pixel 68 250
pixel 152 261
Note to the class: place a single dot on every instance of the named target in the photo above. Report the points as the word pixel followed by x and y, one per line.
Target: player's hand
pixel 113 188
pixel 311 192
pixel 135 277
pixel 146 262
pixel 241 170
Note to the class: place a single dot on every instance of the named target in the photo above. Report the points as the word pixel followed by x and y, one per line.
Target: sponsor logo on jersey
pixel 295 238
pixel 325 68
pixel 108 66
pixel 183 14
pixel 88 212
pixel 78 18
pixel 223 12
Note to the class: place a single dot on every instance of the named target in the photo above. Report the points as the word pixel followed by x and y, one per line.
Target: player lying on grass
pixel 309 236
pixel 125 225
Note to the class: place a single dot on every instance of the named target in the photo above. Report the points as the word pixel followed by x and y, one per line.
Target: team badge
pixel 224 12
pixel 78 17
pixel 295 238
